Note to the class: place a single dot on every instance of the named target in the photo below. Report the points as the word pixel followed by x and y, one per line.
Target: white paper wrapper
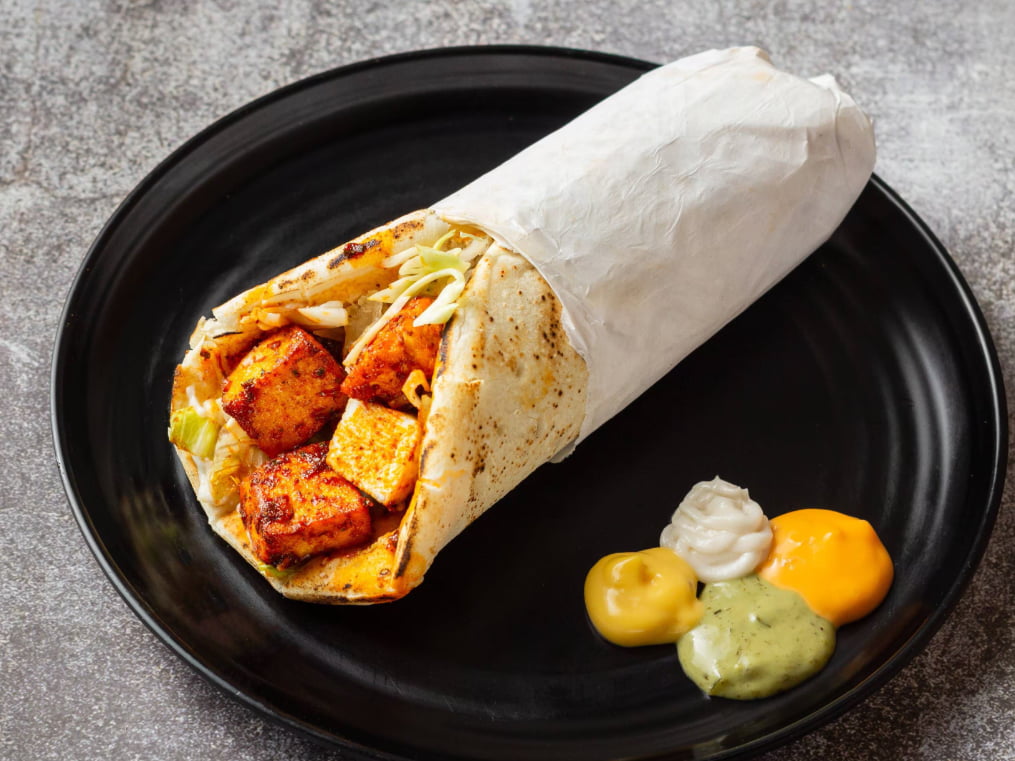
pixel 664 211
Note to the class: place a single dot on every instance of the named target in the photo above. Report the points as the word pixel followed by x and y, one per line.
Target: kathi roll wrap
pixel 341 423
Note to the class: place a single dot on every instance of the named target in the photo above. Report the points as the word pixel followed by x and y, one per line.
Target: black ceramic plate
pixel 865 382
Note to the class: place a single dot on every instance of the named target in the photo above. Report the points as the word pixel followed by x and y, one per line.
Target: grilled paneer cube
pixel 376 448
pixel 295 506
pixel 386 362
pixel 284 390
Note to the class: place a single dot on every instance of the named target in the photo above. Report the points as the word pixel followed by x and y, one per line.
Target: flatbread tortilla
pixel 507 395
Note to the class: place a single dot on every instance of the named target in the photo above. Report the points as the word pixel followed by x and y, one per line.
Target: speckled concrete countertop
pixel 94 94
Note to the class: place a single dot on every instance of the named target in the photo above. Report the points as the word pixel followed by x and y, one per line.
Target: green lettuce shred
pixel 196 434
pixel 273 571
pixel 428 271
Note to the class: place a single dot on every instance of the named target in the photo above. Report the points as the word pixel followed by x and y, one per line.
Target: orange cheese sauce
pixel 835 562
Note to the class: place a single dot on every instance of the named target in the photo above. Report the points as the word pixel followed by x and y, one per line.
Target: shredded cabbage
pixel 330 314
pixel 196 434
pixel 235 456
pixel 422 268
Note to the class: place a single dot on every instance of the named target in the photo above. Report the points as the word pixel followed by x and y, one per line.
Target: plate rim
pixel 819 717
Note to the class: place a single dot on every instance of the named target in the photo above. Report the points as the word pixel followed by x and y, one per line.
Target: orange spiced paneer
pixel 377 449
pixel 284 390
pixel 295 507
pixel 383 366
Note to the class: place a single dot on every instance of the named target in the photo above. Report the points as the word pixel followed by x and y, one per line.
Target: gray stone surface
pixel 94 93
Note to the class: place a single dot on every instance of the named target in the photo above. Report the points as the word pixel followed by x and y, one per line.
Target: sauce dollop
pixel 754 640
pixel 835 562
pixel 719 530
pixel 642 598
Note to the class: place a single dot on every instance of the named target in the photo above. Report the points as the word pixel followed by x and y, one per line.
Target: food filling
pixel 295 506
pixel 399 347
pixel 316 435
pixel 284 390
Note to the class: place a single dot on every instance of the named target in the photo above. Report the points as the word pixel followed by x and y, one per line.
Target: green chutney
pixel 754 640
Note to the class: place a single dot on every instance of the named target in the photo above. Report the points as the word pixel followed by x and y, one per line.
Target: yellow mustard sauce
pixel 754 640
pixel 642 598
pixel 835 562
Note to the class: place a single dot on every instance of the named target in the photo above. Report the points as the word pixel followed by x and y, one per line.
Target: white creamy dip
pixel 719 530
